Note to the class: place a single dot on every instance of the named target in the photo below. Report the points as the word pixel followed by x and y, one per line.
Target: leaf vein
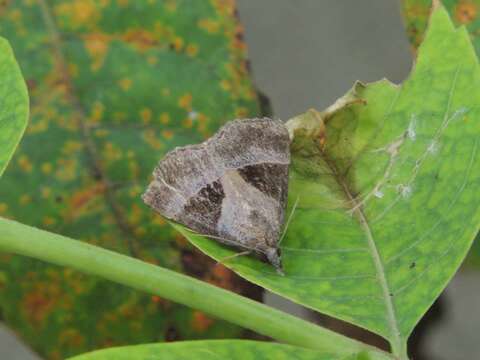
pixel 452 203
pixel 90 146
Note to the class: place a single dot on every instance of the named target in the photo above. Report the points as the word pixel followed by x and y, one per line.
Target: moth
pixel 232 188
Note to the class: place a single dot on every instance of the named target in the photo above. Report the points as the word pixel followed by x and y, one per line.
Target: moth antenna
pixel 227 258
pixel 288 220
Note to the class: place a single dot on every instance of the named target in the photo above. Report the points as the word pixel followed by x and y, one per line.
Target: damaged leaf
pixel 387 188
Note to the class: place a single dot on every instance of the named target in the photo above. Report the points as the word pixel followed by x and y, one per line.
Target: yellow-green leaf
pixel 387 185
pixel 14 104
pixel 415 14
pixel 214 350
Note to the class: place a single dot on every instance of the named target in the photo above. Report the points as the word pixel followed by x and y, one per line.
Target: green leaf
pixel 14 104
pixel 415 14
pixel 387 184
pixel 219 349
pixel 113 85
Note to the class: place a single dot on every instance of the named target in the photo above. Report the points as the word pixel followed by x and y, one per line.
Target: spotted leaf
pixel 114 85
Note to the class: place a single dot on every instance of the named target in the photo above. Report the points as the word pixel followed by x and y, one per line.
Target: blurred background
pixel 306 54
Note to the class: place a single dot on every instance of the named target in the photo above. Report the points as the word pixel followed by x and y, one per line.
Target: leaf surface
pixel 114 85
pixel 214 350
pixel 386 181
pixel 467 13
pixel 14 104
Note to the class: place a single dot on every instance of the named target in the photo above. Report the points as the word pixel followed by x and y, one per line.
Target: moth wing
pixel 188 185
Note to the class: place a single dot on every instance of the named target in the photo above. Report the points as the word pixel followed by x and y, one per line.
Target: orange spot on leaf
pixel 82 198
pixel 465 12
pixel 3 208
pixel 178 43
pixel 187 123
pixel 146 115
pixel 40 301
pixel 225 85
pixel 209 25
pixel 79 13
pixel 152 140
pixel 46 168
pixel 96 113
pixel 25 163
pixel 125 84
pixel 45 192
pixel 191 50
pixel 241 112
pixel 25 199
pixel 66 169
pixel 185 102
pixel 97 45
pixel 201 322
pixel 164 118
pixel 140 38
pixel 48 221
pixel 167 134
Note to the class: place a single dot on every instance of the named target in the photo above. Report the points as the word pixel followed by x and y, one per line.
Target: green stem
pixel 399 350
pixel 28 241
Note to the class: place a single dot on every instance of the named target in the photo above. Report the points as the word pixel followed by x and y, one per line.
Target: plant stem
pixel 24 240
pixel 399 350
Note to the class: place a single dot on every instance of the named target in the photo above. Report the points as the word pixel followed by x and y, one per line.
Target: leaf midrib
pixel 395 337
pixel 90 147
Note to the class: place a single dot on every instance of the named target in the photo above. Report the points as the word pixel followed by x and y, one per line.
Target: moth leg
pixel 227 258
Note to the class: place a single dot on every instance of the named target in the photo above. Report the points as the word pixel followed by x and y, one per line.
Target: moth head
pixel 274 258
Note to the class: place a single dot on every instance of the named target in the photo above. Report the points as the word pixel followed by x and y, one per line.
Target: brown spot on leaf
pixel 465 12
pixel 79 13
pixel 201 322
pixel 140 39
pixel 97 46
pixel 39 302
pixel 81 198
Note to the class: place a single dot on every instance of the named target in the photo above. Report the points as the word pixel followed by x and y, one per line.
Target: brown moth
pixel 232 187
